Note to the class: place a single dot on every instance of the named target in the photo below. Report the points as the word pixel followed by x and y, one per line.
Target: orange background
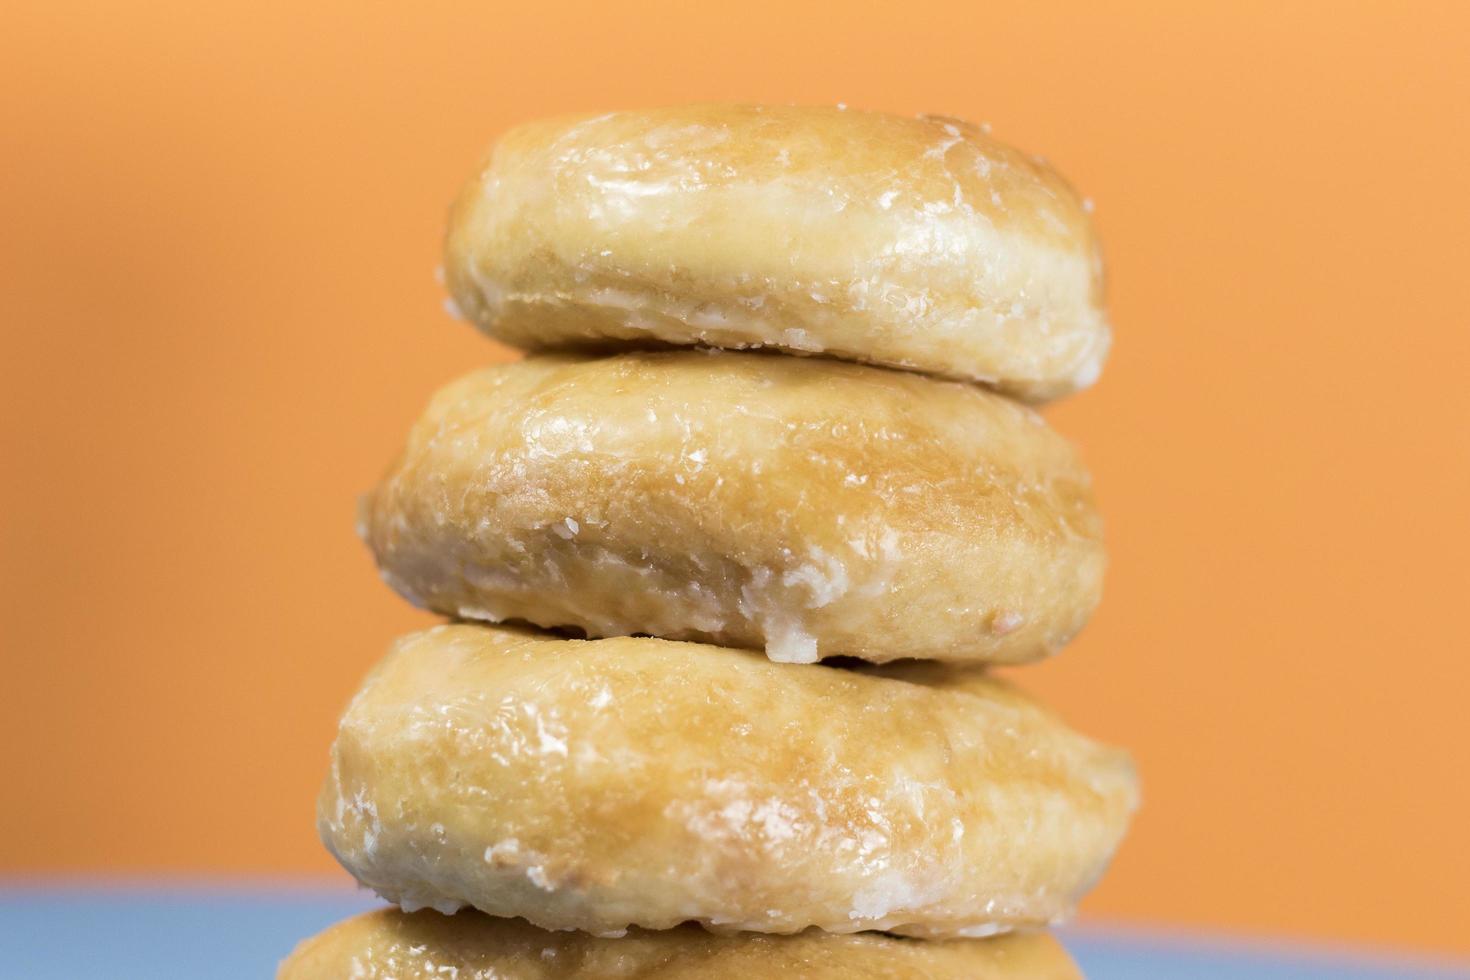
pixel 220 225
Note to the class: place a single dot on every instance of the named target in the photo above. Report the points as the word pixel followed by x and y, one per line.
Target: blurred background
pixel 219 225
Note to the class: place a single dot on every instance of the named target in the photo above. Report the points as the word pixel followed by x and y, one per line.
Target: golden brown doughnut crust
pixel 916 243
pixel 806 507
pixel 392 945
pixel 602 784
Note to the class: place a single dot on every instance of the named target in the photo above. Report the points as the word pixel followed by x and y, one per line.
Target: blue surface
pixel 159 933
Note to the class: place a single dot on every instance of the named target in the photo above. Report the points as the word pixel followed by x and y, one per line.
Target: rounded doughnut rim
pixel 603 784
pixel 388 943
pixel 809 508
pixel 918 243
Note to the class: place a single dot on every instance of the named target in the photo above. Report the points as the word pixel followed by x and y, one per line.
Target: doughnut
pixel 806 507
pixel 603 784
pixel 393 945
pixel 911 243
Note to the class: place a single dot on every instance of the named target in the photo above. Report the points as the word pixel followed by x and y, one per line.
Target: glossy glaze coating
pixel 390 945
pixel 602 784
pixel 917 243
pixel 806 507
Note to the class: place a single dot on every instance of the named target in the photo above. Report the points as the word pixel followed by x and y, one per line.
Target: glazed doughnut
pixel 915 243
pixel 806 507
pixel 392 945
pixel 602 784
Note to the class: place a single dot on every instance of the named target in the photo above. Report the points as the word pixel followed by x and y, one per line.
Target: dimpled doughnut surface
pixel 392 945
pixel 914 243
pixel 802 506
pixel 602 784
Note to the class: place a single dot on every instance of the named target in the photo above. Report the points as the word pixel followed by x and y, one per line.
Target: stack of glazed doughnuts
pixel 727 556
